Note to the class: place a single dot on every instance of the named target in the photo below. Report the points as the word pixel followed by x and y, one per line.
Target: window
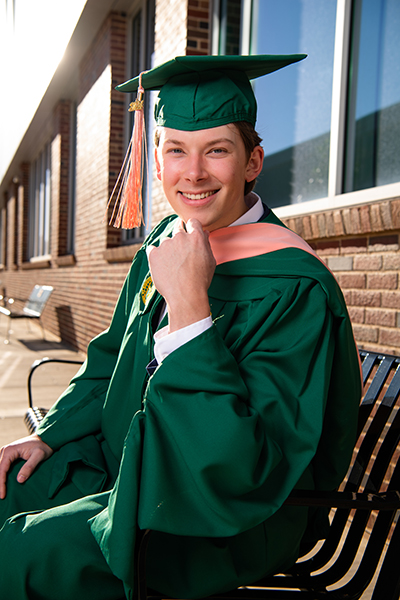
pixel 331 123
pixel 142 51
pixel 39 209
pixel 373 127
pixel 72 181
pixel 2 240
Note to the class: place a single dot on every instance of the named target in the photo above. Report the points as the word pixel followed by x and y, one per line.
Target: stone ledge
pixel 377 217
pixel 121 254
pixel 37 264
pixel 65 261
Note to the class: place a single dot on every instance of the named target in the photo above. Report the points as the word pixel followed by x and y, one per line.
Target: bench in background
pixel 33 308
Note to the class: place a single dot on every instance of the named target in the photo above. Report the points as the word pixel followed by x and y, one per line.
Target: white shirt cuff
pixel 165 342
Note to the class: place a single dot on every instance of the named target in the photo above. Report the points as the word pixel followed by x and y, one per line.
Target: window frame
pixel 40 206
pixel 336 198
pixel 143 57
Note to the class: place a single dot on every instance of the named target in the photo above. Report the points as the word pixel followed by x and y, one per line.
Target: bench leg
pixel 9 332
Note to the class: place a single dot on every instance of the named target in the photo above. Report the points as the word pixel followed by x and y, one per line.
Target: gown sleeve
pixel 78 411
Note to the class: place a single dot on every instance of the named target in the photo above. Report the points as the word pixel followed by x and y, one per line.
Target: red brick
pixel 391 262
pixel 367 262
pixel 297 225
pixel 386 318
pixel 376 220
pixel 307 228
pixel 365 298
pixel 395 210
pixel 384 240
pixel 355 220
pixel 391 299
pixel 386 215
pixel 314 227
pixel 365 220
pixel 354 245
pixel 346 217
pixel 338 221
pixel 383 281
pixel 390 337
pixel 356 314
pixel 366 334
pixel 328 248
pixel 352 280
pixel 321 220
pixel 347 295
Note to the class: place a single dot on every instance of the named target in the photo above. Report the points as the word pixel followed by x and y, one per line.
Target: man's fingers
pixel 193 225
pixel 179 227
pixel 4 467
pixel 6 460
pixel 27 469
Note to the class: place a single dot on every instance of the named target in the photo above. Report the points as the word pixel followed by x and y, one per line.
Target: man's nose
pixel 196 169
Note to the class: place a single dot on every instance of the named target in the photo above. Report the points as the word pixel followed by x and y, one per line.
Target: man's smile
pixel 200 196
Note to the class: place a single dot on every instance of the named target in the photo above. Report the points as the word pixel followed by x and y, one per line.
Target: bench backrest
pixel 37 300
pixel 364 536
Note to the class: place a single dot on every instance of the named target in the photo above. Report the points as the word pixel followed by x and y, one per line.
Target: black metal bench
pixel 364 536
pixel 363 544
pixel 35 414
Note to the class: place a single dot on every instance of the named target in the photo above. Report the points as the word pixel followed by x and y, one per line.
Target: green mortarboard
pixel 200 92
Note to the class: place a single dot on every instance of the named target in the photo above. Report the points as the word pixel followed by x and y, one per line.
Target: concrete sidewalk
pixel 26 346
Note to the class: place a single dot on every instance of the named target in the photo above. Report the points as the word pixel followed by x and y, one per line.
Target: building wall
pixel 87 282
pixel 360 244
pixel 361 247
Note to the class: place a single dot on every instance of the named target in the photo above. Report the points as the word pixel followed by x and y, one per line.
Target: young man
pixel 227 378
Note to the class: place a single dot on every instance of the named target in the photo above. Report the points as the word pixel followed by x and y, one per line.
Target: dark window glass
pixel 294 104
pixel 373 122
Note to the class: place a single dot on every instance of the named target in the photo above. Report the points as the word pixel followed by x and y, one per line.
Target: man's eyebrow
pixel 211 143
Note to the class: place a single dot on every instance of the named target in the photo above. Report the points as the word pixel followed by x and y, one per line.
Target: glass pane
pixel 138 60
pixel 294 104
pixel 373 127
pixel 230 20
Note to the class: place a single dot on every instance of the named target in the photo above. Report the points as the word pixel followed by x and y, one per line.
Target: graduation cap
pixel 200 92
pixel 195 92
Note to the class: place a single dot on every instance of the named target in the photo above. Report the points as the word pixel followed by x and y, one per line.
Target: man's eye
pixel 218 151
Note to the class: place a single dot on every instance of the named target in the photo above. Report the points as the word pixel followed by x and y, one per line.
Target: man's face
pixel 203 173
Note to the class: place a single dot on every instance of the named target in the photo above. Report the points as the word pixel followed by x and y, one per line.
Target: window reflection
pixel 373 125
pixel 294 115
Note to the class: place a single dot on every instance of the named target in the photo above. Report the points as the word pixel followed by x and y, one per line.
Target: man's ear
pixel 255 164
pixel 158 166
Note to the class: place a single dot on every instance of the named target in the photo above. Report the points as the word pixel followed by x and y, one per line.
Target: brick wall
pixel 60 180
pixel 3 242
pixel 361 246
pixel 11 228
pixel 117 60
pixel 198 27
pixel 23 194
pixel 86 285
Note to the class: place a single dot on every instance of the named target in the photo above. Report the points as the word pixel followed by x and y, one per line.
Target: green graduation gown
pixel 206 450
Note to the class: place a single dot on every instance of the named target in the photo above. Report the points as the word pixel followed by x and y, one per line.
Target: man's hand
pixel 182 268
pixel 31 449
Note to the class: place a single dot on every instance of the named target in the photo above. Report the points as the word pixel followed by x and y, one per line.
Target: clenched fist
pixel 182 268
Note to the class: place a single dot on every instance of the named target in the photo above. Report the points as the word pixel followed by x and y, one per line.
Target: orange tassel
pixel 127 192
